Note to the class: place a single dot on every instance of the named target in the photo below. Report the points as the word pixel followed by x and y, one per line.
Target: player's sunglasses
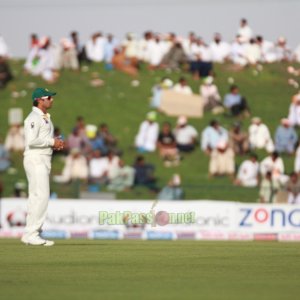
pixel 47 98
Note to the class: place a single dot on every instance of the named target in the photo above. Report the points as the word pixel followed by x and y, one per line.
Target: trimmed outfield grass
pixel 81 269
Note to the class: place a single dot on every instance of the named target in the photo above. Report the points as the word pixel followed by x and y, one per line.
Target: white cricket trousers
pixel 37 168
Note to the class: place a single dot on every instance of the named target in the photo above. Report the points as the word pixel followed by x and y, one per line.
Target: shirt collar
pixel 37 110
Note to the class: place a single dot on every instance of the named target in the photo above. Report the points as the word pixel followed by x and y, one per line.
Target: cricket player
pixel 39 144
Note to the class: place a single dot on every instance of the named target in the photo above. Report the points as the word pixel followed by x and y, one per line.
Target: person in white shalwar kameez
pixel 146 139
pixel 248 172
pixel 259 136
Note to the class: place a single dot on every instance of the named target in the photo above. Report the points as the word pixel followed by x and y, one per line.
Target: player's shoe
pixel 37 241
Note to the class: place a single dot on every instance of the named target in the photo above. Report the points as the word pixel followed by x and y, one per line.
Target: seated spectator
pixel 293 188
pixel 285 137
pixel 268 188
pixel 98 167
pixel 174 58
pixel 297 161
pixel 4 158
pixel 78 141
pixel 15 139
pixel 173 191
pixel 185 135
pixel 67 55
pixel 274 164
pixel 166 145
pixel 95 140
pixel 80 125
pixel 165 84
pixel 57 134
pixel 121 178
pixel 267 50
pixel 221 160
pixel 236 103
pixel 210 95
pixel 238 140
pixel 41 61
pixel 248 172
pixel 5 73
pixel 144 174
pixel 237 53
pixel 219 50
pixel 282 50
pixel 145 140
pixel 212 135
pixel 110 141
pixel 76 167
pixel 125 64
pixel 112 164
pixel 294 110
pixel 182 87
pixel 259 136
pixel 252 52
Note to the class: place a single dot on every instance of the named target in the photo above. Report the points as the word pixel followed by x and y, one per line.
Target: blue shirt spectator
pixel 212 135
pixel 285 137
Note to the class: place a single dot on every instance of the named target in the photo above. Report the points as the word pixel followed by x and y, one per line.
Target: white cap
pixel 182 120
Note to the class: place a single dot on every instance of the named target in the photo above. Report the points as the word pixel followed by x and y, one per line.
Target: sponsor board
pixel 201 220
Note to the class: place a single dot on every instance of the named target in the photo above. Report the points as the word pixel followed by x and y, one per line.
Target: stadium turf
pixel 81 269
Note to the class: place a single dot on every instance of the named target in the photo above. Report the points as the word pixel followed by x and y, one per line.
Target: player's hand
pixel 58 144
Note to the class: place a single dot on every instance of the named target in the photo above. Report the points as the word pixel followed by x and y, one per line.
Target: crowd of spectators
pixel 158 50
pixel 92 153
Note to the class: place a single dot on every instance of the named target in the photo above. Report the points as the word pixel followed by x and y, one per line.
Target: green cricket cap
pixel 41 92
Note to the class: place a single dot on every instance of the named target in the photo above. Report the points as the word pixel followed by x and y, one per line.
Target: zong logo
pixel 269 217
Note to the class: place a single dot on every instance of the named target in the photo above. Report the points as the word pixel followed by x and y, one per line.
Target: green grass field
pixel 80 269
pixel 123 107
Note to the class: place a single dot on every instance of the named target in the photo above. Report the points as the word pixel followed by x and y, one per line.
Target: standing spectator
pixel 221 160
pixel 238 140
pixel 185 135
pixel 259 136
pixel 235 102
pixel 244 31
pixel 293 188
pixel 146 139
pixel 212 135
pixel 109 50
pixel 285 137
pixel 248 172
